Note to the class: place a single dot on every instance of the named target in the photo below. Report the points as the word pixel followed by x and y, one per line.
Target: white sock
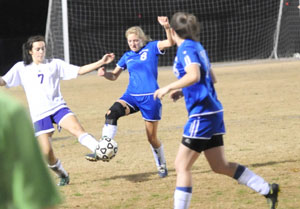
pixel 88 141
pixel 182 199
pixel 109 131
pixel 254 181
pixel 58 169
pixel 159 155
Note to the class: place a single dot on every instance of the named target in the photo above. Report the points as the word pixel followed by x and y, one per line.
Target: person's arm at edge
pixel 112 75
pixel 169 41
pixel 106 59
pixel 2 82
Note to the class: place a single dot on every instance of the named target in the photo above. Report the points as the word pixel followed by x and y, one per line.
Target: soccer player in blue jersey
pixel 40 79
pixel 204 129
pixel 141 62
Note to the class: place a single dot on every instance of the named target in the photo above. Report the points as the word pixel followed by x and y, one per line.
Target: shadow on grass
pixel 272 163
pixel 61 138
pixel 255 165
pixel 141 177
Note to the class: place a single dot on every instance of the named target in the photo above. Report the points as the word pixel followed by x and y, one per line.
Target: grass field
pixel 262 117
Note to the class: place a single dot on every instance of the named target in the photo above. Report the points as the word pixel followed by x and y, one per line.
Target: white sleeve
pixel 67 71
pixel 12 77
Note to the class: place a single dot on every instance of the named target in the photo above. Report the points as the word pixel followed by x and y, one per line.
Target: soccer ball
pixel 108 149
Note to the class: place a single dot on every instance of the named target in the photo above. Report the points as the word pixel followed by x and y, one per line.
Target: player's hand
pixel 108 58
pixel 164 21
pixel 160 93
pixel 176 94
pixel 101 71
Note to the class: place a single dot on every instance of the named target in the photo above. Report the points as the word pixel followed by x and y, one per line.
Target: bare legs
pixel 216 158
pixel 71 124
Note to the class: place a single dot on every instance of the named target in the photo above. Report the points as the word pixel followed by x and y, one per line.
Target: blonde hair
pixel 139 32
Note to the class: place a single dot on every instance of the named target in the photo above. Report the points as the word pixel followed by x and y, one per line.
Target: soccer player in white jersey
pixel 141 62
pixel 204 129
pixel 40 79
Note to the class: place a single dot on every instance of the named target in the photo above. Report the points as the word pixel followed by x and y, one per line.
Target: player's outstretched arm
pixel 106 59
pixel 164 21
pixel 112 76
pixel 2 82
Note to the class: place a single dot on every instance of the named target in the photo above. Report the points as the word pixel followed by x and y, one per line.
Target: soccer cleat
pixel 272 196
pixel 162 171
pixel 92 157
pixel 64 181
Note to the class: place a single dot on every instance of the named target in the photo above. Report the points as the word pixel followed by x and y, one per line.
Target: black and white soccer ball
pixel 107 149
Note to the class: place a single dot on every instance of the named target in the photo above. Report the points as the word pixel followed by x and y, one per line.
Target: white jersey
pixel 41 84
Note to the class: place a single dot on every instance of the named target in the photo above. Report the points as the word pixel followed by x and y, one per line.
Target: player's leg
pixel 217 161
pixel 44 130
pixel 194 141
pixel 67 120
pixel 156 147
pixel 117 110
pixel 151 112
pixel 184 161
pixel 46 147
pixel 216 158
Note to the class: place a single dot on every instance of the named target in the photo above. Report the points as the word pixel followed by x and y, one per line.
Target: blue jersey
pixel 200 98
pixel 142 68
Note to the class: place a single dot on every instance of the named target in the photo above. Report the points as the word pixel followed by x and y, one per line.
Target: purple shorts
pixel 45 125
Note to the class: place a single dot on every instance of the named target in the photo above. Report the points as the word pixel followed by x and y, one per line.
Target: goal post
pixel 64 5
pixel 57 30
pixel 277 31
pixel 82 31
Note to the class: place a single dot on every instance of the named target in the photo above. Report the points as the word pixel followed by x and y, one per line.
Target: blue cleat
pixel 162 171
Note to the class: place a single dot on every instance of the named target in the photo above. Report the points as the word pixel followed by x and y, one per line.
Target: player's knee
pixel 181 168
pixel 219 169
pixel 75 129
pixel 154 141
pixel 116 111
pixel 216 169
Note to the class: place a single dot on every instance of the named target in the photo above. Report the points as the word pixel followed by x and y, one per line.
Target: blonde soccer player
pixel 40 79
pixel 141 62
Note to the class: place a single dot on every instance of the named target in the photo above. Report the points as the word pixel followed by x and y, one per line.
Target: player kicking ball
pixel 40 79
pixel 141 62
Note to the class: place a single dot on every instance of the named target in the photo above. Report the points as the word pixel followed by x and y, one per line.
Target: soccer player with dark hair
pixel 205 127
pixel 40 78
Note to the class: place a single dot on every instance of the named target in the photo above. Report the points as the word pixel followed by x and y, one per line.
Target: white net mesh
pixel 231 30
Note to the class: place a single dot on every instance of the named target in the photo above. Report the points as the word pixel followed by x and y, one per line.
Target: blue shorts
pixel 204 127
pixel 150 108
pixel 45 125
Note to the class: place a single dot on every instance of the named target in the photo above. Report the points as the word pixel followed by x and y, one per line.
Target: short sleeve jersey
pixel 24 175
pixel 201 97
pixel 142 68
pixel 41 84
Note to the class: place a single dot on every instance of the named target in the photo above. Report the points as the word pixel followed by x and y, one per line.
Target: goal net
pixel 82 31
